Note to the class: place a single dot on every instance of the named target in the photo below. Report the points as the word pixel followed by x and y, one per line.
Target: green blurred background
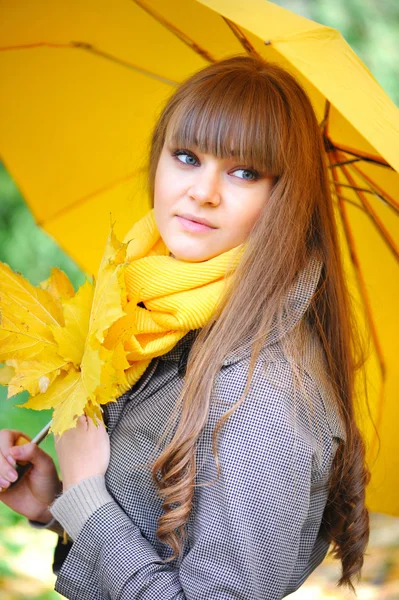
pixel 371 27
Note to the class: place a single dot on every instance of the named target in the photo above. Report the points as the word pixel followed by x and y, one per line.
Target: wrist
pixel 44 517
pixel 67 483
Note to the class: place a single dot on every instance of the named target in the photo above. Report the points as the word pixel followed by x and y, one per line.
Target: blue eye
pixel 247 174
pixel 185 157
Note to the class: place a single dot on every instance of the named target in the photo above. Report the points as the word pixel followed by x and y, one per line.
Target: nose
pixel 206 187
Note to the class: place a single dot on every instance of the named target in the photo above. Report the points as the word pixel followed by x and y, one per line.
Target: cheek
pixel 157 188
pixel 160 182
pixel 158 205
pixel 160 201
pixel 159 216
pixel 164 191
pixel 163 205
pixel 256 203
pixel 246 218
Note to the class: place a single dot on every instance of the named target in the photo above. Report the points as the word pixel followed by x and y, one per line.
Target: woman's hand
pixel 38 488
pixel 83 451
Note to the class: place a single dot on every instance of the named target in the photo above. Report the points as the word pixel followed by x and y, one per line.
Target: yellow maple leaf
pixel 76 393
pixel 94 412
pixel 55 393
pixel 67 396
pixel 109 288
pixel 35 376
pixel 6 374
pixel 18 293
pixel 18 345
pixel 112 378
pixel 59 353
pixel 71 337
pixel 58 284
pixel 26 312
pixel 70 393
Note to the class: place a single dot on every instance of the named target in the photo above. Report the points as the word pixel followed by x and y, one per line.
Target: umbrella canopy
pixel 84 82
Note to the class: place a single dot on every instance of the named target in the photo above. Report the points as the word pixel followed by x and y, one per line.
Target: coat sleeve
pixel 246 535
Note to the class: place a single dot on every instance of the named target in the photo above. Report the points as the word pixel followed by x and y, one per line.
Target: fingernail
pixel 11 460
pixel 4 482
pixel 12 476
pixel 16 452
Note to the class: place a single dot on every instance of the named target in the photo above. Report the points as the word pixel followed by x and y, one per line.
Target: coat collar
pixel 297 302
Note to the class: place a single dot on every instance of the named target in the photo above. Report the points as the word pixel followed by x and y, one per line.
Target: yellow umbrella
pixel 83 83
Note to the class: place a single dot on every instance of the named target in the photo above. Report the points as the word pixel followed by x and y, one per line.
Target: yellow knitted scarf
pixel 178 296
pixel 74 352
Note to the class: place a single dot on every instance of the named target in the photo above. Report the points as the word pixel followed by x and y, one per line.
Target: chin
pixel 186 252
pixel 188 255
pixel 188 258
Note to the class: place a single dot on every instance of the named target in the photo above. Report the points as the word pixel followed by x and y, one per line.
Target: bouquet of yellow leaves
pixel 56 343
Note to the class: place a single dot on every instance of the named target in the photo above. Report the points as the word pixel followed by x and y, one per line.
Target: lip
pixel 197 220
pixel 193 226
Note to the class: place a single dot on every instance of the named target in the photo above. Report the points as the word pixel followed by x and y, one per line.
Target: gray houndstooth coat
pixel 252 535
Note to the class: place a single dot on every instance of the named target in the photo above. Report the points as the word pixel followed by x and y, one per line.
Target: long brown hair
pixel 261 112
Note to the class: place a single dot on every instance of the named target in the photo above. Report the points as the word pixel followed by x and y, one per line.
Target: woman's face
pixel 191 185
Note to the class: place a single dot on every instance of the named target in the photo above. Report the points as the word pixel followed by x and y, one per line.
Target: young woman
pixel 233 463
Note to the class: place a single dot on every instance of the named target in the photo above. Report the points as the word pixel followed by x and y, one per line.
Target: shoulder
pixel 279 383
pixel 287 405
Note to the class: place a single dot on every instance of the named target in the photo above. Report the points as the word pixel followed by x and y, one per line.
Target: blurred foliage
pixel 25 562
pixel 371 28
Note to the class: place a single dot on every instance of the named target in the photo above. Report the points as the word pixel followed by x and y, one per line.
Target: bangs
pixel 233 116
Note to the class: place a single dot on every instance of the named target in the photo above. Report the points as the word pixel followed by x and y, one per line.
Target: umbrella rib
pixel 90 48
pixel 341 197
pixel 345 162
pixel 325 122
pixel 354 187
pixel 373 215
pixel 84 199
pixel 356 263
pixel 34 45
pixel 244 41
pixel 358 154
pixel 183 37
pixel 369 191
pixel 363 291
pixel 124 63
pixel 373 187
pixel 391 202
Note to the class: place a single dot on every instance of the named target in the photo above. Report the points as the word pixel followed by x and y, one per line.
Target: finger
pixel 21 441
pixel 8 438
pixel 8 474
pixel 83 422
pixel 31 453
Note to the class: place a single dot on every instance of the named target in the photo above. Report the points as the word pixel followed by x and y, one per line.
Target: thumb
pixel 31 453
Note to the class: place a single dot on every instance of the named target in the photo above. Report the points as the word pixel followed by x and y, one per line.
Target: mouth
pixel 194 226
